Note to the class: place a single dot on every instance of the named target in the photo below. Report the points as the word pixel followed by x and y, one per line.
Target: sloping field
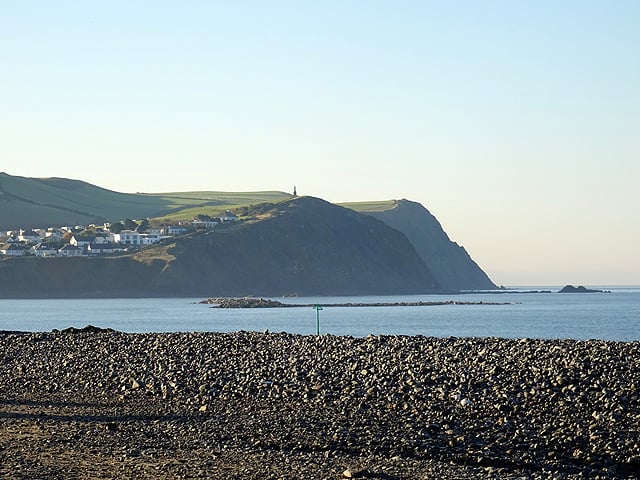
pixel 27 202
pixel 373 206
pixel 190 204
pixel 37 202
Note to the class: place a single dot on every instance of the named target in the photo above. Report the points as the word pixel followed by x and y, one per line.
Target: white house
pixel 13 249
pixel 104 248
pixel 54 234
pixel 71 251
pixel 128 237
pixel 150 238
pixel 101 238
pixel 29 236
pixel 204 224
pixel 176 230
pixel 82 241
pixel 106 237
pixel 44 250
pixel 229 216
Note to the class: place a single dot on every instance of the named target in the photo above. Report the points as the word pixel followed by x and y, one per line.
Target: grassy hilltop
pixel 39 202
pixel 42 202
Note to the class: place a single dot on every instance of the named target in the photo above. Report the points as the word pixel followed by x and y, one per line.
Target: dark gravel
pixel 98 404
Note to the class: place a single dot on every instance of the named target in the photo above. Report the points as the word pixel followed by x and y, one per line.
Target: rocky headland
pixel 452 266
pixel 102 404
pixel 302 246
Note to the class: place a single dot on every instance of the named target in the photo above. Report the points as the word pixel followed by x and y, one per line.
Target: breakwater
pixel 250 302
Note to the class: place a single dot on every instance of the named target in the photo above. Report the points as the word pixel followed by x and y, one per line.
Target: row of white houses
pixel 100 244
pixel 40 242
pixel 67 250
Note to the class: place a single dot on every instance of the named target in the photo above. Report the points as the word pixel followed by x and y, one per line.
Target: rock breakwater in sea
pixel 251 302
pixel 264 405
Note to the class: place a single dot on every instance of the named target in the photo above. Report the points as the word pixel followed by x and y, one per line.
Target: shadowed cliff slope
pixel 302 246
pixel 450 263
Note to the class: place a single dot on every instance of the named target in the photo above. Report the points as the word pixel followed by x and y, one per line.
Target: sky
pixel 517 124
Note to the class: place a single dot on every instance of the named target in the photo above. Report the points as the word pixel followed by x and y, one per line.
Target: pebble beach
pixel 100 404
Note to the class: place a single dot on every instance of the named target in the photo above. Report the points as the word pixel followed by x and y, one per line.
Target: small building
pixel 128 237
pixel 82 240
pixel 102 238
pixel 176 230
pixel 105 237
pixel 29 236
pixel 71 251
pixel 150 238
pixel 54 234
pixel 13 249
pixel 105 248
pixel 44 250
pixel 229 216
pixel 204 224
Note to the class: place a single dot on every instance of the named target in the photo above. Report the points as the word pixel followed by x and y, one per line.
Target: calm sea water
pixel 611 316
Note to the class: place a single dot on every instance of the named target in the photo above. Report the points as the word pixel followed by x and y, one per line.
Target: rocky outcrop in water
pixel 252 405
pixel 579 289
pixel 245 302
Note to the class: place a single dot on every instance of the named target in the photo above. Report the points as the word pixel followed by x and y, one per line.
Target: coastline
pixel 260 405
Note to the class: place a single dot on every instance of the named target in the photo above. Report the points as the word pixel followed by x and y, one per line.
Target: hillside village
pixel 99 240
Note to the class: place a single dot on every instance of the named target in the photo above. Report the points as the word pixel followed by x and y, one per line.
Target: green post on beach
pixel 317 308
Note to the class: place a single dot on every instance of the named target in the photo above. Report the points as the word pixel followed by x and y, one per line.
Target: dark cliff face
pixel 303 246
pixel 76 277
pixel 450 263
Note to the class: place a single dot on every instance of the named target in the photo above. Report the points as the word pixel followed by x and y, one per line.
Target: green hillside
pixel 40 202
pixel 30 202
pixel 189 204
pixel 375 206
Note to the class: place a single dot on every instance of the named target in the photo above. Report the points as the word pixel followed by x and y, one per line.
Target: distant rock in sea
pixel 580 289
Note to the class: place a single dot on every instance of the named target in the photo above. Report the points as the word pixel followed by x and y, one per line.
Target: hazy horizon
pixel 515 124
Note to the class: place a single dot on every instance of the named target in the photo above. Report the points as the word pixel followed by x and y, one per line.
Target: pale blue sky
pixel 517 123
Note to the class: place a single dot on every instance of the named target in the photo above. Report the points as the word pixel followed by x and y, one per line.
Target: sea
pixel 523 312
